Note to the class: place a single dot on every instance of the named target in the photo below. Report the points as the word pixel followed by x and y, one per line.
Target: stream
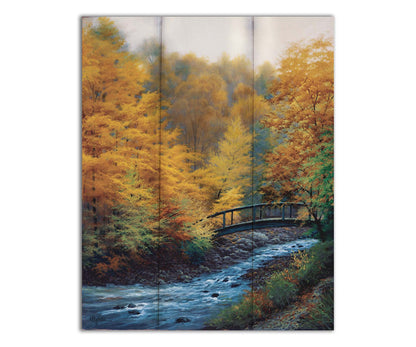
pixel 186 306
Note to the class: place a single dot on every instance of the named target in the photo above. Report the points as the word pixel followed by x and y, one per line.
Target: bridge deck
pixel 265 215
pixel 258 224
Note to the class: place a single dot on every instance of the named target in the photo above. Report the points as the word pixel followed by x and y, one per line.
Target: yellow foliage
pixel 199 107
pixel 119 133
pixel 229 199
pixel 232 163
pixel 248 105
pixel 302 116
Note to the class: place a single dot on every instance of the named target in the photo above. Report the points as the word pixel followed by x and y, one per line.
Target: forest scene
pixel 208 173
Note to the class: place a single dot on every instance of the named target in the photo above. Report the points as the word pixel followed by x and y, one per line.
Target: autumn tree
pixel 111 79
pixel 248 105
pixel 231 165
pixel 120 132
pixel 150 54
pixel 303 119
pixel 198 110
pixel 128 148
pixel 252 108
pixel 234 71
pixel 320 174
pixel 189 64
pixel 264 77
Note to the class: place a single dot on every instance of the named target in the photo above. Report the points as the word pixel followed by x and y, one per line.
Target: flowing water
pixel 179 305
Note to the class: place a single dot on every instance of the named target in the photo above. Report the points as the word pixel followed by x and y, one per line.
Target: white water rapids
pixel 175 306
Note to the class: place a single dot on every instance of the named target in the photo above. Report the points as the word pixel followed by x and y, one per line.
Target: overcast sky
pixel 211 36
pixel 274 34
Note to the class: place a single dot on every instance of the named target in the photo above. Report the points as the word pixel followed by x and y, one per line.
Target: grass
pixel 280 291
pixel 321 317
pixel 284 287
pixel 237 317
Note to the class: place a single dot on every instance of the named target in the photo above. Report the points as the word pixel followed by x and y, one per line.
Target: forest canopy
pixel 168 139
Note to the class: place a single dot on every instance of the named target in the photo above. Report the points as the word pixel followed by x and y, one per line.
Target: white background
pixel 40 173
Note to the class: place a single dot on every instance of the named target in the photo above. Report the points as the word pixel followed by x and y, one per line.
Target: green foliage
pixel 196 249
pixel 237 317
pixel 135 230
pixel 91 253
pixel 262 145
pixel 307 269
pixel 264 77
pixel 280 291
pixel 328 229
pixel 321 176
pixel 311 233
pixel 319 264
pixel 300 168
pixel 255 306
pixel 151 169
pixel 321 316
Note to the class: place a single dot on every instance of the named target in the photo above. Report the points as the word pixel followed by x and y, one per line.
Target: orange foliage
pixel 302 119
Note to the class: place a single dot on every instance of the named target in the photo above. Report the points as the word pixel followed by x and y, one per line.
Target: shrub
pixel 321 317
pixel 318 263
pixel 311 233
pixel 327 232
pixel 328 229
pixel 253 306
pixel 307 269
pixel 309 274
pixel 238 316
pixel 281 291
pixel 196 248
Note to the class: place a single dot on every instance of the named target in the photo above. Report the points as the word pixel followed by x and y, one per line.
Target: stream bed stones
pixel 231 249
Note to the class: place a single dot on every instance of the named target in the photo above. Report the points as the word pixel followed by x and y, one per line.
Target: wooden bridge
pixel 260 216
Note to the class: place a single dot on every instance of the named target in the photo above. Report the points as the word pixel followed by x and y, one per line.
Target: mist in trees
pixel 168 139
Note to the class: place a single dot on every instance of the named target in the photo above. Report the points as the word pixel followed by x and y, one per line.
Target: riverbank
pixel 226 251
pixel 288 293
pixel 179 305
pixel 312 311
pixel 259 277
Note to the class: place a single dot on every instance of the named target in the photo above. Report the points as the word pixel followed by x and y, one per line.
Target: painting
pixel 207 173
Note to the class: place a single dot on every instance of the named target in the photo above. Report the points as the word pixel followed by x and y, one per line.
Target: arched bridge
pixel 260 216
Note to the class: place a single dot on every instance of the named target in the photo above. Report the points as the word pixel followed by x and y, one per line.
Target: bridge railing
pixel 282 210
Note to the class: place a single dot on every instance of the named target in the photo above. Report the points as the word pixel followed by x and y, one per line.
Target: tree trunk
pixel 320 229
